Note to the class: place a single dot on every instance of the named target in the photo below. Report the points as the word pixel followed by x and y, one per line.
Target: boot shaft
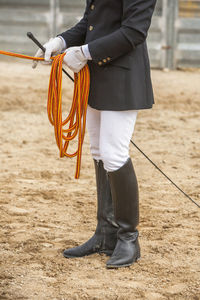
pixel 125 197
pixel 105 213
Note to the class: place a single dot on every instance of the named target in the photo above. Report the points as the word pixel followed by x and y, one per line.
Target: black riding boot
pixel 124 190
pixel 105 236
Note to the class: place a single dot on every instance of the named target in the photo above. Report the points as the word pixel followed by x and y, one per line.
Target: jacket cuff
pixel 64 45
pixel 86 52
pixel 110 47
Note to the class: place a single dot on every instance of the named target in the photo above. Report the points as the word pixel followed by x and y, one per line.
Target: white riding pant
pixel 110 133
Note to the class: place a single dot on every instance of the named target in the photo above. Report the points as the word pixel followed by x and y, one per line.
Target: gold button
pixel 92 7
pixel 91 28
pixel 105 60
pixel 100 63
pixel 108 58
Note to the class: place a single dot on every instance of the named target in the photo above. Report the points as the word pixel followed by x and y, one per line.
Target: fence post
pixel 54 12
pixel 171 36
pixel 163 25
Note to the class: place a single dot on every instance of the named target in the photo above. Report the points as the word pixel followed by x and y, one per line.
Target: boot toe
pixel 90 247
pixel 72 253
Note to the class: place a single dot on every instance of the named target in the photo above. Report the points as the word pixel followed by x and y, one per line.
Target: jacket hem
pixel 121 109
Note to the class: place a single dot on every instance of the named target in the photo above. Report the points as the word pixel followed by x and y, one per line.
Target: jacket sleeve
pixel 76 35
pixel 136 21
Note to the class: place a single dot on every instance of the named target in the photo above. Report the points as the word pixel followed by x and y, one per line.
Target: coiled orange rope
pixel 74 125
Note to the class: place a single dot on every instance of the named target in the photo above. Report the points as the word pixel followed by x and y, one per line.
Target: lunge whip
pixel 186 195
pixel 31 36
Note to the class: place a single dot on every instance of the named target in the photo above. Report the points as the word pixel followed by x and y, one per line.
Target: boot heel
pixel 138 258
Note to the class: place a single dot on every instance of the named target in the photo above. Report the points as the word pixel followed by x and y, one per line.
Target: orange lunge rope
pixel 74 124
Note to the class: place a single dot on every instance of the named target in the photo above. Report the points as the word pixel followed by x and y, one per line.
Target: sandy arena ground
pixel 45 210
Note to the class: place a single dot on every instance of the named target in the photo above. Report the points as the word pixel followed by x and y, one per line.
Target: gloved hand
pixel 53 46
pixel 75 59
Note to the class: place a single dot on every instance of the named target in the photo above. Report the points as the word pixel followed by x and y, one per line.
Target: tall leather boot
pixel 105 236
pixel 125 197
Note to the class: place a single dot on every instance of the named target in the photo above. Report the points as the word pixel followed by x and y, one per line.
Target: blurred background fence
pixel 173 41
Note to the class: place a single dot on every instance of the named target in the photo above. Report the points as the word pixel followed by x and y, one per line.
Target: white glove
pixel 75 59
pixel 53 46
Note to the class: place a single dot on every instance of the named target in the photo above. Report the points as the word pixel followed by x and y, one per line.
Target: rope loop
pixel 74 124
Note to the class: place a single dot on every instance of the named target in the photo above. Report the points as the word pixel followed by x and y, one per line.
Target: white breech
pixel 110 133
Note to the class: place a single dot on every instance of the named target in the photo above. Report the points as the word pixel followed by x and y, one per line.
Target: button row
pixel 92 7
pixel 105 60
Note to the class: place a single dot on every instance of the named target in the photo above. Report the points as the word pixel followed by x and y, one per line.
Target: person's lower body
pixel 117 190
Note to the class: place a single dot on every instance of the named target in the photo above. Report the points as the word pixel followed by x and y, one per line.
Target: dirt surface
pixel 45 210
